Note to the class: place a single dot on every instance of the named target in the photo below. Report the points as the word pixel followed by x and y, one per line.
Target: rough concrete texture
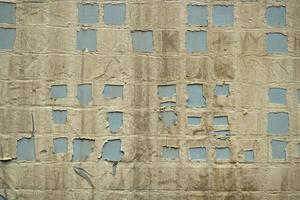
pixel 160 154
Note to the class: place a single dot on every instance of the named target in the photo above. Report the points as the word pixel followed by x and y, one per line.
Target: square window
pixel 166 91
pixel 7 38
pixel 222 90
pixel 196 41
pixel 195 96
pixel 221 121
pixel 223 15
pixel 197 15
pixel 197 153
pixel 114 14
pixel 194 120
pixel 142 41
pixel 170 153
pixel 277 95
pixel 59 91
pixel 59 116
pixel 277 43
pixel 223 153
pixel 60 145
pixel 88 13
pixel 84 94
pixel 278 149
pixel 278 123
pixel 275 16
pixel 7 12
pixel 249 155
pixel 26 149
pixel 113 91
pixel 82 148
pixel 169 118
pixel 115 121
pixel 87 40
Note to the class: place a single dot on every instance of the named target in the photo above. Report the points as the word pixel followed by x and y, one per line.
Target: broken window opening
pixel 170 153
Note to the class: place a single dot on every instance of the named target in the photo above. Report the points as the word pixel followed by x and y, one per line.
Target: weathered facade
pixel 150 100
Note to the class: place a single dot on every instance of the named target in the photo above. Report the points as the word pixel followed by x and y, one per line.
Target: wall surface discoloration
pixel 150 100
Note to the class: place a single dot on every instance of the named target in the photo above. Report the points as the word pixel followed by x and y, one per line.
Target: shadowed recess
pixel 87 40
pixel 278 123
pixel 223 153
pixel 197 15
pixel 60 145
pixel 142 41
pixel 113 91
pixel 222 90
pixel 115 121
pixel 277 95
pixel 195 96
pixel 82 148
pixel 196 41
pixel 278 149
pixel 59 91
pixel 170 153
pixel 7 13
pixel 7 38
pixel 277 43
pixel 114 14
pixel 223 15
pixel 112 150
pixel 88 13
pixel 249 155
pixel 26 149
pixel 194 120
pixel 275 16
pixel 169 118
pixel 59 116
pixel 84 94
pixel 197 153
pixel 166 91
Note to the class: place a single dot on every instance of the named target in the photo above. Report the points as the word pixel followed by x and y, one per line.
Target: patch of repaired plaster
pixel 195 96
pixel 278 123
pixel 113 91
pixel 194 120
pixel 197 15
pixel 88 13
pixel 197 153
pixel 114 14
pixel 115 121
pixel 60 145
pixel 277 95
pixel 84 94
pixel 82 148
pixel 277 43
pixel 196 41
pixel 169 118
pixel 223 15
pixel 7 12
pixel 222 90
pixel 87 40
pixel 166 91
pixel 249 156
pixel 7 38
pixel 278 149
pixel 142 41
pixel 276 16
pixel 170 153
pixel 59 91
pixel 59 116
pixel 223 153
pixel 26 149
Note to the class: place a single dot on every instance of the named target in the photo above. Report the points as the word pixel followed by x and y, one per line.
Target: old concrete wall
pixel 86 111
